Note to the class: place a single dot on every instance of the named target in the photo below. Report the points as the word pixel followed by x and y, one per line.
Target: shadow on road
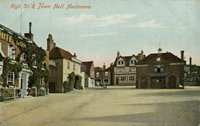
pixel 185 113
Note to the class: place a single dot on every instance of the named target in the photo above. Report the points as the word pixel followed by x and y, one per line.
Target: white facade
pixel 125 70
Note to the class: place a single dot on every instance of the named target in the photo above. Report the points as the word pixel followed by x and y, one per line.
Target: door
pixel 172 81
pixel 52 87
pixel 117 80
pixel 23 85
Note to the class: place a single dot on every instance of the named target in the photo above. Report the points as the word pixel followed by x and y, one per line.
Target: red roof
pixel 169 57
pixel 58 53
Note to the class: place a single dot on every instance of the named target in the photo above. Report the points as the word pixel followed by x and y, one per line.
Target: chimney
pixel 141 55
pixel 118 54
pixel 190 63
pixel 104 66
pixel 50 43
pixel 29 35
pixel 75 56
pixel 182 55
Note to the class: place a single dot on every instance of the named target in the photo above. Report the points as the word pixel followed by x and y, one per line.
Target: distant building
pixel 125 69
pixel 89 74
pixel 61 64
pixel 161 70
pixel 192 74
pixel 108 75
pixel 99 74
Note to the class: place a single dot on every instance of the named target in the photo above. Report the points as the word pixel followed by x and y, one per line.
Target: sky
pixel 104 27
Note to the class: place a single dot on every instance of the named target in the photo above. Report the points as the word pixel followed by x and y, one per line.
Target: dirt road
pixel 106 107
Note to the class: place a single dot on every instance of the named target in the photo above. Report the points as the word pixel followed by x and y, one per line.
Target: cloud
pixel 114 19
pixel 99 21
pixel 148 24
pixel 80 19
pixel 100 34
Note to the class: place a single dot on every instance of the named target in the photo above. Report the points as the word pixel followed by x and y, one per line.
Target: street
pixel 114 106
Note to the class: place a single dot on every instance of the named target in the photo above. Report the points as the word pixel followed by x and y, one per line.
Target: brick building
pixel 160 70
pixel 11 46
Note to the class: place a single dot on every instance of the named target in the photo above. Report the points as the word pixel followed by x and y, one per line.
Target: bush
pixel 78 83
pixel 41 91
pixel 68 86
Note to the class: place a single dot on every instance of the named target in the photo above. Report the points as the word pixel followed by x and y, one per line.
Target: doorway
pixel 23 85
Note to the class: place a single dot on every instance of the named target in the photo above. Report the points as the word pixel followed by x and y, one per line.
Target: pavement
pixel 114 106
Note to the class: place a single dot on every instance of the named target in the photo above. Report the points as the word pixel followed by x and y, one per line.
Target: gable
pixel 120 62
pixel 162 57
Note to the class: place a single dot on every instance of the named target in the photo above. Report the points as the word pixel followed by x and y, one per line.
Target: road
pixel 115 106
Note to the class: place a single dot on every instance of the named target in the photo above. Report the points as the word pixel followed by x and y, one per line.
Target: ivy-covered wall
pixel 34 58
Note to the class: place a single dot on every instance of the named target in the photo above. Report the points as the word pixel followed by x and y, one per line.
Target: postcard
pixel 99 62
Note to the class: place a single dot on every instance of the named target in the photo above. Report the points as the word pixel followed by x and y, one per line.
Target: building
pixel 89 74
pixel 99 74
pixel 61 64
pixel 15 66
pixel 104 75
pixel 192 74
pixel 160 70
pixel 125 69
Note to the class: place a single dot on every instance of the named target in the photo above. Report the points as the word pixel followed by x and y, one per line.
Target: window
pixel 41 81
pixel 123 78
pixel 131 78
pixel 132 69
pixel 34 58
pixel 11 52
pixel 119 62
pixel 106 73
pixel 120 70
pixel 23 57
pixel 97 74
pixel 10 78
pixel 158 69
pixel 68 65
pixel 132 62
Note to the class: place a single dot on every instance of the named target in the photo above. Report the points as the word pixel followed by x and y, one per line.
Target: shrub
pixel 78 82
pixel 68 86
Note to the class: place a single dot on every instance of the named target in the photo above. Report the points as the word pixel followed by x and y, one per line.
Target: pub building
pixel 10 44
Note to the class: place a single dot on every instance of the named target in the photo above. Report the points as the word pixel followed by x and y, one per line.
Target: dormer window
pixel 120 62
pixel 132 61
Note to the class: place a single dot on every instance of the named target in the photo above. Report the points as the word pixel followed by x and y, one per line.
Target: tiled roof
pixel 125 58
pixel 88 64
pixel 108 69
pixel 13 32
pixel 169 57
pixel 98 69
pixel 58 53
